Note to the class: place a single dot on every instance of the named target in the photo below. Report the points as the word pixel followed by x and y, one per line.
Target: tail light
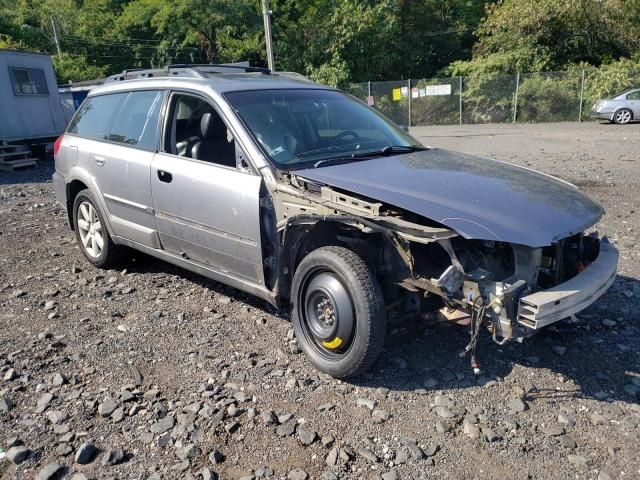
pixel 56 144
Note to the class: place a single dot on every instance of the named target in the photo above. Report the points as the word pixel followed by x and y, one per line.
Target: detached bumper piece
pixel 548 306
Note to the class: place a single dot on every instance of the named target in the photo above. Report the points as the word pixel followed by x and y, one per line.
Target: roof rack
pixel 193 70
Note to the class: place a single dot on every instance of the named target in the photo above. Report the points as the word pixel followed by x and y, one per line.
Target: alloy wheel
pixel 90 229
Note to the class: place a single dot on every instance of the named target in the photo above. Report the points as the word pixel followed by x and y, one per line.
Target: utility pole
pixel 266 14
pixel 55 37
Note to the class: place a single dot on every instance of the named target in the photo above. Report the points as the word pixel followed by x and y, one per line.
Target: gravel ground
pixel 154 372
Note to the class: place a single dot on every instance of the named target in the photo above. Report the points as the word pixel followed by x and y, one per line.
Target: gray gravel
pixel 153 372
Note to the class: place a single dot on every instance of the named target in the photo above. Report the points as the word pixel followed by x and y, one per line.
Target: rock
pixel 367 454
pixel 264 472
pixel 232 427
pixel 432 449
pixel 59 380
pixel 608 323
pixel 216 457
pixel 552 430
pixel 268 417
pixel 602 475
pixel 113 457
pixel 56 417
pixel 491 435
pixel 106 408
pixel 390 475
pixel 5 405
pixel 307 437
pixel 471 430
pixel 402 457
pixel 163 425
pixel 208 474
pixel 297 474
pixel 328 475
pixel 286 429
pixel 49 472
pixel 565 420
pixel 597 419
pixel 137 376
pixel 328 441
pixel 516 405
pixel 380 416
pixel 559 350
pixel 367 403
pixel 416 452
pixel 63 450
pixel 118 415
pixel 44 402
pixel 578 460
pixel 18 454
pixel 188 451
pixel 567 441
pixel 85 453
pixel 444 412
pixel 332 458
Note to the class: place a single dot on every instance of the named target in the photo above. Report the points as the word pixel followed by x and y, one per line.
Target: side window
pixel 634 95
pixel 94 117
pixel 29 81
pixel 197 131
pixel 136 123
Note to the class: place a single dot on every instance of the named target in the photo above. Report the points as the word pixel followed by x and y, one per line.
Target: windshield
pixel 301 128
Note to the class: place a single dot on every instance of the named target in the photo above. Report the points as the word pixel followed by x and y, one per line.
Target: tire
pixel 91 232
pixel 339 316
pixel 622 116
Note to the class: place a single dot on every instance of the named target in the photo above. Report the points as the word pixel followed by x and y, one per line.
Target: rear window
pixel 137 122
pixel 128 118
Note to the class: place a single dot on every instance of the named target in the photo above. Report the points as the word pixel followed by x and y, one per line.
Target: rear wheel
pixel 338 311
pixel 623 116
pixel 92 235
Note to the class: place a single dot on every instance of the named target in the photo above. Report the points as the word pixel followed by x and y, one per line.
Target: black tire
pixel 110 253
pixel 622 116
pixel 357 351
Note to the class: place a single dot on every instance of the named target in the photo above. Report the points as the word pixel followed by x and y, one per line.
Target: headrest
pixel 212 127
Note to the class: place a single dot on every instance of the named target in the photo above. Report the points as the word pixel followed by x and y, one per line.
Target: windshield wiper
pixel 388 150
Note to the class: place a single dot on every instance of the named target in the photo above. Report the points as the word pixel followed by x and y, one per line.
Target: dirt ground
pixel 169 375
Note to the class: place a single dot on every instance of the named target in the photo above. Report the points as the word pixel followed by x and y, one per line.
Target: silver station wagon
pixel 306 197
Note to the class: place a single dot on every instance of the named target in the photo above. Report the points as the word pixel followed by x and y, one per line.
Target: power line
pixel 123 44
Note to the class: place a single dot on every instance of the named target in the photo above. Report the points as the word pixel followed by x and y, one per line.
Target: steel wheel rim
pixel 90 229
pixel 327 314
pixel 623 117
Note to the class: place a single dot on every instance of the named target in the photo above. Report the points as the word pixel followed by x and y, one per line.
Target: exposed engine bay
pixel 485 284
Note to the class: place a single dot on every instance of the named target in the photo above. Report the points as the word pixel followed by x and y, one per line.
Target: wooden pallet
pixel 12 158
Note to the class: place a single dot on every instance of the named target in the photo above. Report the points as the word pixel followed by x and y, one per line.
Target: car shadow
pixel 591 358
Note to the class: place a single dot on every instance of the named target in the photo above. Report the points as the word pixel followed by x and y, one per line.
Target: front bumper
pixel 548 306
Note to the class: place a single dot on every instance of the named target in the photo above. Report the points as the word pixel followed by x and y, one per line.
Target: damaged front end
pixel 511 289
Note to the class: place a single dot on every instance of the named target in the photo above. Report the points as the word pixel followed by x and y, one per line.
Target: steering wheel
pixel 340 136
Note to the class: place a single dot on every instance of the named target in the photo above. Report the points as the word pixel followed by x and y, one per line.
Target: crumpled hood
pixel 477 197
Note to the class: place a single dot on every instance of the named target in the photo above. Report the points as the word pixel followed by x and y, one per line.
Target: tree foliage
pixel 333 41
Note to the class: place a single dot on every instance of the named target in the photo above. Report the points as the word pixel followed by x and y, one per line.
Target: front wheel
pixel 338 311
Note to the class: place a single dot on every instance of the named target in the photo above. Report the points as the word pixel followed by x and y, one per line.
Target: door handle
pixel 99 160
pixel 165 177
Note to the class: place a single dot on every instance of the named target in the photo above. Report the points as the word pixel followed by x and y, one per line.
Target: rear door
pixel 205 209
pixel 120 137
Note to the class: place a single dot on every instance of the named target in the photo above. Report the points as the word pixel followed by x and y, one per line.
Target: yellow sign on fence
pixel 397 94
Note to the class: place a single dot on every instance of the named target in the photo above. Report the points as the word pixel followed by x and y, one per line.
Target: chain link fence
pixel 495 98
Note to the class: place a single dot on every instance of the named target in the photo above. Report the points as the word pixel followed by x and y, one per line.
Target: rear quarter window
pixel 95 116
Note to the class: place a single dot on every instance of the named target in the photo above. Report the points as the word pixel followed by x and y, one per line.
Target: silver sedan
pixel 621 109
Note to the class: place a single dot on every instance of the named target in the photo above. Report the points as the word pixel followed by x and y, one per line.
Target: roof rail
pixel 194 70
pixel 213 66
